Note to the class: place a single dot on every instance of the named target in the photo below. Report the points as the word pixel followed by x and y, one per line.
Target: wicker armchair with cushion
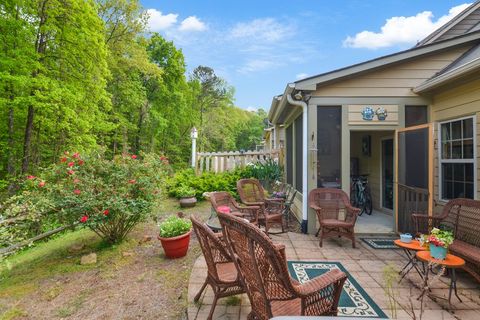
pixel 263 270
pixel 330 205
pixel 224 199
pixel 252 193
pixel 463 217
pixel 222 274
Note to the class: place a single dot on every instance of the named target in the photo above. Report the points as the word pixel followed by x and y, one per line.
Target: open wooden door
pixel 413 174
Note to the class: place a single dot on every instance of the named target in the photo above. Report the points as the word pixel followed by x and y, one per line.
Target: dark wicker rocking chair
pixel 222 274
pixel 223 198
pixel 263 270
pixel 271 210
pixel 329 203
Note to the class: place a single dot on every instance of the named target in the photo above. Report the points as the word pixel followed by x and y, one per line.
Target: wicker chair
pixel 263 270
pixel 223 198
pixel 463 217
pixel 329 204
pixel 222 274
pixel 252 193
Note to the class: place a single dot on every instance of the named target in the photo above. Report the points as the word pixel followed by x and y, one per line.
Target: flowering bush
pixel 108 196
pixel 440 238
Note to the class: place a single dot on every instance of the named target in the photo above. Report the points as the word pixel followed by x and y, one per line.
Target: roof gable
pixel 465 22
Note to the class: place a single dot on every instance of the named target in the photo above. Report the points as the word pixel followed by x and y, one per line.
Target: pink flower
pixel 132 181
pixel 134 157
pixel 71 164
pixel 31 177
pixel 80 162
pixel 77 192
pixel 70 172
pixel 76 181
pixel 63 159
pixel 41 184
pixel 83 219
pixel 76 155
pixel 106 212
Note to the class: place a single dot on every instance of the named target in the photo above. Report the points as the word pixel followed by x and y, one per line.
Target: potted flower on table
pixel 175 236
pixel 439 240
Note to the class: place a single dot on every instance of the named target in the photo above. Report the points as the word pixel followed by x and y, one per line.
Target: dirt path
pixel 130 281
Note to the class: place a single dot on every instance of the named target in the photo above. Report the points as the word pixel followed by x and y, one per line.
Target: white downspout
pixel 304 106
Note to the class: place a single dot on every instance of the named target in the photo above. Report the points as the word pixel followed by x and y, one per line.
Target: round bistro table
pixel 451 262
pixel 409 249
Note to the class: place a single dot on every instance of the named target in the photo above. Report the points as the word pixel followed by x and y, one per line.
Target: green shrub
pixel 174 226
pixel 185 191
pixel 268 172
pixel 205 182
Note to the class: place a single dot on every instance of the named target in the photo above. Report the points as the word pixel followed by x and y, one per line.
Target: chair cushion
pixel 465 250
pixel 227 272
pixel 335 223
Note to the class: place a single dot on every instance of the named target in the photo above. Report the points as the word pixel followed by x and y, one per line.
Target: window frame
pixel 441 161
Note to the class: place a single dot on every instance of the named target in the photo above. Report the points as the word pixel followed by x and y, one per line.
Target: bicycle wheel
pixel 361 204
pixel 368 206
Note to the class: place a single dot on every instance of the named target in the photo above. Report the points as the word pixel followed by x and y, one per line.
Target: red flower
pixel 71 164
pixel 106 212
pixel 83 219
pixel 76 155
pixel 77 192
pixel 80 162
pixel 41 184
pixel 31 177
pixel 132 181
pixel 70 172
pixel 63 159
pixel 134 157
pixel 163 158
pixel 76 180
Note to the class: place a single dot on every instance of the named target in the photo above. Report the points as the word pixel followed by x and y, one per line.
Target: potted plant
pixel 439 240
pixel 186 197
pixel 175 236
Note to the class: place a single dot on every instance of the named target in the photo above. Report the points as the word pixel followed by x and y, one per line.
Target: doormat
pixel 380 243
pixel 354 301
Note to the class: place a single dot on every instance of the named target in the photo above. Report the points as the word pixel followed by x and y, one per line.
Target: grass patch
pixel 12 314
pixel 233 301
pixel 73 306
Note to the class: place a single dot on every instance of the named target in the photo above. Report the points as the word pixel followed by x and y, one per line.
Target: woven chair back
pixel 262 267
pixel 212 248
pixel 222 198
pixel 250 190
pixel 464 216
pixel 332 201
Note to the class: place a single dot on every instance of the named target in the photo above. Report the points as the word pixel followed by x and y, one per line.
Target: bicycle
pixel 360 195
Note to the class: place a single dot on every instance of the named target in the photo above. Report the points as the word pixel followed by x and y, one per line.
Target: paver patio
pixel 365 265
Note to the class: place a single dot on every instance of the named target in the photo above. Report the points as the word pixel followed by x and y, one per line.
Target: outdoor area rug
pixel 354 301
pixel 380 243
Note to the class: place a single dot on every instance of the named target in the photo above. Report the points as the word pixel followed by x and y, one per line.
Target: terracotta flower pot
pixel 188 202
pixel 176 247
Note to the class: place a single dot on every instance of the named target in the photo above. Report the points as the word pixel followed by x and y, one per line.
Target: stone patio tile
pixel 219 313
pixel 244 311
pixel 300 236
pixel 192 312
pixel 351 265
pixel 388 255
pixel 305 244
pixel 308 254
pixel 467 314
pixel 371 265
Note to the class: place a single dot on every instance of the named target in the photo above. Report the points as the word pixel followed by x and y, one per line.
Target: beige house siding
pixel 456 102
pixel 393 81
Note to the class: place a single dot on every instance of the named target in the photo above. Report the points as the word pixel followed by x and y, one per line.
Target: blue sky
pixel 260 46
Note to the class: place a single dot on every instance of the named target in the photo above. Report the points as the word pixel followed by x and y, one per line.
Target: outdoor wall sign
pixel 373 115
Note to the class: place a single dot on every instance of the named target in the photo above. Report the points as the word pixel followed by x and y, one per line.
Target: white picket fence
pixel 227 161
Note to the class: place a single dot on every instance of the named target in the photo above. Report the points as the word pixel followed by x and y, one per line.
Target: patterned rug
pixel 354 301
pixel 380 243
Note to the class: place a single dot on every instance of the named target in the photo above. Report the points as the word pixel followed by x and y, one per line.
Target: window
pixel 329 138
pixel 299 153
pixel 289 154
pixel 457 159
pixel 415 115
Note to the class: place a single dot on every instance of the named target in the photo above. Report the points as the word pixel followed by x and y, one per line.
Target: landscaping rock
pixel 146 238
pixel 89 259
pixel 76 248
pixel 127 254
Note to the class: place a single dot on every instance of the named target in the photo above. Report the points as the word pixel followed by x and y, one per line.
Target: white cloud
pixel 255 65
pixel 402 30
pixel 301 76
pixel 192 23
pixel 266 29
pixel 157 21
pixel 252 109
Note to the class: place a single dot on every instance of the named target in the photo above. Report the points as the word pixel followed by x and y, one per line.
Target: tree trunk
pixel 28 139
pixel 11 142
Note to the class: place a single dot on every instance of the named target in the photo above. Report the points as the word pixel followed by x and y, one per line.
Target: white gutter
pixel 304 106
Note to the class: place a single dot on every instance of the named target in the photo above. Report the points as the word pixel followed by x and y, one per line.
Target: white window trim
pixel 473 160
